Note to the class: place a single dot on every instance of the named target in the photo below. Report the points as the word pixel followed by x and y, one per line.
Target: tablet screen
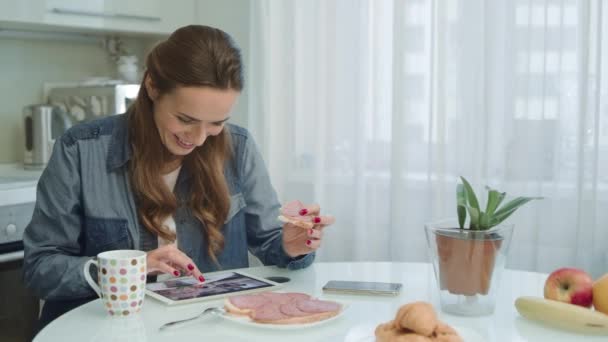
pixel 189 289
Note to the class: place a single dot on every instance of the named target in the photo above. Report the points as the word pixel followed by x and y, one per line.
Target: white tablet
pixel 217 285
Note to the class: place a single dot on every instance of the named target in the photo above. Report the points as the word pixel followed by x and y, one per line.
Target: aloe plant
pixel 494 213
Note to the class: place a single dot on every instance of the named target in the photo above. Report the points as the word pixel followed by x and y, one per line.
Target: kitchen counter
pixel 17 185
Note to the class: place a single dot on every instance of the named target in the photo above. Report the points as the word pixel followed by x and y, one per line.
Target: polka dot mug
pixel 121 278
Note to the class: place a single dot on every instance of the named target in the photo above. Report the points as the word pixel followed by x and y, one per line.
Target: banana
pixel 562 315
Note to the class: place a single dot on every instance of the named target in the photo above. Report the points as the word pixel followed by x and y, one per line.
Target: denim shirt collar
pixel 119 150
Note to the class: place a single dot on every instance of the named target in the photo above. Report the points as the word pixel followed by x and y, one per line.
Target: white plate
pixel 248 322
pixel 365 333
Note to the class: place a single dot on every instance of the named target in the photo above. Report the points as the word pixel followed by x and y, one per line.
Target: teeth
pixel 183 142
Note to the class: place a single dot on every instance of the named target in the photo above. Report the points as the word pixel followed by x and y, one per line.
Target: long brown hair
pixel 194 55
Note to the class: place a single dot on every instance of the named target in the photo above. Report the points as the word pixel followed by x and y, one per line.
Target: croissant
pixel 418 317
pixel 445 333
pixel 416 322
pixel 388 332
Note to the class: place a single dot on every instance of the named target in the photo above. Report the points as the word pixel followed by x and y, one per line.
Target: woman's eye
pixel 184 120
pixel 218 124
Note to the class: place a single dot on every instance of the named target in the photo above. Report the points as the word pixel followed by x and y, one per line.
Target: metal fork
pixel 213 309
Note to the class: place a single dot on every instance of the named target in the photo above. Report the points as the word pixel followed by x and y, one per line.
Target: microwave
pixel 86 102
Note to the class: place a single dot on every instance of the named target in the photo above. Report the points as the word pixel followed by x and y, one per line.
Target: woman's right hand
pixel 170 260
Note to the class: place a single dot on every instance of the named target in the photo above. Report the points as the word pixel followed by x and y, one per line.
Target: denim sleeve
pixel 53 265
pixel 264 230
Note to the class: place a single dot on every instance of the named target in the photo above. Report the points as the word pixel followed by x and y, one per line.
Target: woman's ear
pixel 152 91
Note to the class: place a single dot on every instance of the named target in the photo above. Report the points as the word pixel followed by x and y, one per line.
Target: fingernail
pixel 176 273
pixel 317 219
pixel 303 212
pixel 190 267
pixel 201 279
pixel 310 232
pixel 308 242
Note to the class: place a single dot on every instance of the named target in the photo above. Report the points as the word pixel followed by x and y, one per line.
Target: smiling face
pixel 186 116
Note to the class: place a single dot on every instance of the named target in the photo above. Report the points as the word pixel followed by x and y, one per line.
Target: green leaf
pixel 494 199
pixel 470 194
pixel 497 219
pixel 515 203
pixel 474 213
pixel 461 203
pixel 484 221
pixel 509 208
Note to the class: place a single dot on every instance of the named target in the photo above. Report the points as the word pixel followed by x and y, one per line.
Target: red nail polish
pixel 303 212
pixel 317 219
pixel 201 279
pixel 310 232
pixel 190 267
pixel 176 273
pixel 308 242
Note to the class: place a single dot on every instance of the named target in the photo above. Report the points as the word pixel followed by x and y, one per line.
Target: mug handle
pixel 87 276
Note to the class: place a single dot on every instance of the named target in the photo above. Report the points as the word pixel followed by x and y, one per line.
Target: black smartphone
pixel 362 287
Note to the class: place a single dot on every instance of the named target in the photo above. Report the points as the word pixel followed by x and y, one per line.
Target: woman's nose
pixel 199 135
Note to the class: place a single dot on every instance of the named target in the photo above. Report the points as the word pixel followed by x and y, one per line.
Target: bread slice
pixel 231 308
pixel 300 319
pixel 297 223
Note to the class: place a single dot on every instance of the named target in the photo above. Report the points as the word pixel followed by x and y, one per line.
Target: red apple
pixel 570 285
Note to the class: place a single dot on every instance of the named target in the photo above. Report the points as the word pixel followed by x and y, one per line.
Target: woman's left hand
pixel 299 241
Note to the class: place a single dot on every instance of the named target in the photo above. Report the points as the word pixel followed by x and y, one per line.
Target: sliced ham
pixel 297 296
pixel 317 306
pixel 268 313
pixel 282 308
pixel 290 213
pixel 279 298
pixel 292 208
pixel 291 309
pixel 248 301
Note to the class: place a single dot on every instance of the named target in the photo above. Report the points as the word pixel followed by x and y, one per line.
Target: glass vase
pixel 468 265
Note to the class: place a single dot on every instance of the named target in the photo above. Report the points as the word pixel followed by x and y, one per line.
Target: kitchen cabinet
pixel 111 16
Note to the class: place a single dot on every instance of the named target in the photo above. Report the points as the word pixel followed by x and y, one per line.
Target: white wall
pixel 231 16
pixel 26 63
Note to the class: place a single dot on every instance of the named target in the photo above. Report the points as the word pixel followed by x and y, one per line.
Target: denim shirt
pixel 85 206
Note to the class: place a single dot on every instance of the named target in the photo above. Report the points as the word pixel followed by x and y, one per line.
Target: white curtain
pixel 374 108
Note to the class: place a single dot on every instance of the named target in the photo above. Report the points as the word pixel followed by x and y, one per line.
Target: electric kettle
pixel 43 124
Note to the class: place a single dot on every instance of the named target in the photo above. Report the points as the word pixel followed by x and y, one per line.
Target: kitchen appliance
pixel 13 220
pixel 43 124
pixel 88 101
pixel 20 308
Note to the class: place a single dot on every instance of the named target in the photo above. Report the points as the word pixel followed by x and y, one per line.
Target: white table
pixel 90 322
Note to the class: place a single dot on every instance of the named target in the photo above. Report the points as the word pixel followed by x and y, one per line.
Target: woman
pixel 170 177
